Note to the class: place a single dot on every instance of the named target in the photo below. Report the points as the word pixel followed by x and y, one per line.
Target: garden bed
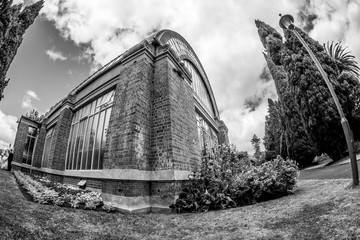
pixel 44 191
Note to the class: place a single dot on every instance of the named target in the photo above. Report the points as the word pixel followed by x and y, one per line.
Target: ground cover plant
pixel 228 179
pixel 45 191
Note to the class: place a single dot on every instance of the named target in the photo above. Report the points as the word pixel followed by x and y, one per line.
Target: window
pixel 199 87
pixel 48 141
pixel 29 145
pixel 206 134
pixel 89 126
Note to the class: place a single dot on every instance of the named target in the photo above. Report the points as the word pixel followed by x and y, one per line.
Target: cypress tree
pixel 306 110
pixel 14 20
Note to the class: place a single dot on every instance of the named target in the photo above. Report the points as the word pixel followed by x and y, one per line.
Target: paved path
pixel 336 171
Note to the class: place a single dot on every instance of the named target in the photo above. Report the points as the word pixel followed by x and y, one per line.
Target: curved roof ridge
pixel 165 35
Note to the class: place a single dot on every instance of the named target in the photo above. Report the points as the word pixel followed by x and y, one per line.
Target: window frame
pixel 49 135
pixel 34 138
pixel 77 155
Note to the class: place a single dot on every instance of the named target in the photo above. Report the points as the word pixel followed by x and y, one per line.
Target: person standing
pixel 10 158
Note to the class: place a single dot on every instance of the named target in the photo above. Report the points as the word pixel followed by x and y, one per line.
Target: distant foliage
pixel 255 142
pixel 227 179
pixel 34 115
pixel 13 22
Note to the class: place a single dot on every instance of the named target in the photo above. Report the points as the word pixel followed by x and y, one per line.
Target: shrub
pixel 227 179
pixel 270 180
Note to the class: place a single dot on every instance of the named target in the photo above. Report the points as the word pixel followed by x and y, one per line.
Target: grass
pixel 320 209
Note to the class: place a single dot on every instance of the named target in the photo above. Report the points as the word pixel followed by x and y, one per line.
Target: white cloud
pixel 337 21
pixel 8 128
pixel 55 55
pixel 28 98
pixel 222 33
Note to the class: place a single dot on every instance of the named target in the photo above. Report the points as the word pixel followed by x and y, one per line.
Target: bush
pixel 228 179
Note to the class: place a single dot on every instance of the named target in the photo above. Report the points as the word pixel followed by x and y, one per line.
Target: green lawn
pixel 320 209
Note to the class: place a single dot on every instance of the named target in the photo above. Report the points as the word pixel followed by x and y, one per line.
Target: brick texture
pixel 129 126
pixel 20 140
pixel 57 155
pixel 126 188
pixel 174 143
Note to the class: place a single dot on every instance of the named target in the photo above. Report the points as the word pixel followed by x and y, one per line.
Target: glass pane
pixel 86 145
pixel 112 96
pixel 81 143
pixel 77 114
pixel 74 118
pixel 25 151
pixel 95 159
pixel 92 140
pixel 75 147
pixel 86 110
pixel 89 158
pixel 103 140
pixel 47 151
pixel 92 108
pixel 32 131
pixel 31 150
pixel 71 146
pixel 99 102
pixel 98 140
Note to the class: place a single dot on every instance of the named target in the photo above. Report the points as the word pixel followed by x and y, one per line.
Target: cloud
pixel 222 33
pixel 337 21
pixel 27 100
pixel 55 55
pixel 8 126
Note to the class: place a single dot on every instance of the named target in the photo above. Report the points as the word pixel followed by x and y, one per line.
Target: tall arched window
pixel 48 141
pixel 199 87
pixel 89 126
pixel 29 145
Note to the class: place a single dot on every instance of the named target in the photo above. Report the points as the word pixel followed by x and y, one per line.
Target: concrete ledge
pixel 116 174
pixel 141 204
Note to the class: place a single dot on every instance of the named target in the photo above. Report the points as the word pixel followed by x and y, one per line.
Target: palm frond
pixel 344 60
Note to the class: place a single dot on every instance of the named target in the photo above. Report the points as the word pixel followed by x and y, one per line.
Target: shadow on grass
pixel 304 224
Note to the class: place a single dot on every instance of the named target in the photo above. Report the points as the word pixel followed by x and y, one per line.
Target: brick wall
pixel 20 140
pixel 39 146
pixel 174 132
pixel 127 188
pixel 129 126
pixel 57 155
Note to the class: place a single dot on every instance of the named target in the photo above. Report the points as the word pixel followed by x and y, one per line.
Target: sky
pixel 72 38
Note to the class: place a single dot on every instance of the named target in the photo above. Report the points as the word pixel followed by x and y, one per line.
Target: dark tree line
pixel 304 121
pixel 14 20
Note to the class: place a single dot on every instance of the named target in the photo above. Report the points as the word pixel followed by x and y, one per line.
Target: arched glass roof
pixel 185 51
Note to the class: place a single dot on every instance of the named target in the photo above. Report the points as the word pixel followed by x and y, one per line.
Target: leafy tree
pixel 308 116
pixel 255 141
pixel 34 115
pixel 14 20
pixel 285 133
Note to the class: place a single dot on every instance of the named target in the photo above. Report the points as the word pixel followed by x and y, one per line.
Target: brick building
pixel 133 130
